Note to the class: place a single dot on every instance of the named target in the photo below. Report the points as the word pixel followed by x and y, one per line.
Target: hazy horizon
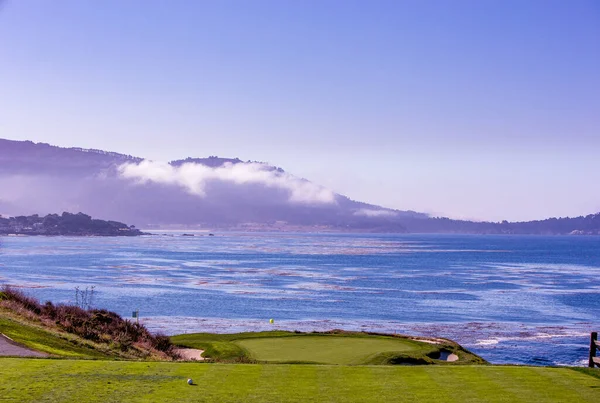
pixel 465 109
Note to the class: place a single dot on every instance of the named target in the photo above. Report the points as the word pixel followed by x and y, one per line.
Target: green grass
pixel 341 348
pixel 324 350
pixel 46 341
pixel 222 347
pixel 35 380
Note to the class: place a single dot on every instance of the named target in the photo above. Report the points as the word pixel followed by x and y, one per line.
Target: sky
pixel 481 109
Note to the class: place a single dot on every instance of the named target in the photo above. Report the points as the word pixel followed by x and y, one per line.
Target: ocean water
pixel 510 299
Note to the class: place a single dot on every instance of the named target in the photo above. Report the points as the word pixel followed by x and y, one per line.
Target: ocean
pixel 511 299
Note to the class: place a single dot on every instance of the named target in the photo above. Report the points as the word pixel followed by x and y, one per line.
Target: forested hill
pixel 66 224
pixel 583 225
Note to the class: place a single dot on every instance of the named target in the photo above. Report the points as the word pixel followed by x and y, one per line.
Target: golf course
pixel 42 362
pixel 336 367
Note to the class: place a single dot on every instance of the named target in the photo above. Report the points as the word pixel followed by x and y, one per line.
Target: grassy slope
pixel 34 380
pixel 326 348
pixel 40 339
pixel 57 343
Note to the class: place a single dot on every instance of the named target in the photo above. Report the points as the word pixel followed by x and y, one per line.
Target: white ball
pixel 190 382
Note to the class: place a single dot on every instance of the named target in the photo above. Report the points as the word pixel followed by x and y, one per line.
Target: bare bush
pixel 98 325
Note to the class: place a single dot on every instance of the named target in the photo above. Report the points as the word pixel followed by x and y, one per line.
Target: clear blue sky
pixel 479 109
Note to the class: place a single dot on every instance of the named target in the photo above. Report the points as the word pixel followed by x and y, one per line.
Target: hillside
pixel 210 192
pixel 74 332
pixel 582 225
pixel 213 192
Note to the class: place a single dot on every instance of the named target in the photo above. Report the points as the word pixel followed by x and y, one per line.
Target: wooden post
pixel 593 339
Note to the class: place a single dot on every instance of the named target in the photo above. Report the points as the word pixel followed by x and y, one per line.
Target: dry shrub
pixel 98 325
pixel 17 308
pixel 162 343
pixel 29 303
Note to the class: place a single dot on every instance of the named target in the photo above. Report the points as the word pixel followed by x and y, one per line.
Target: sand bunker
pixel 190 354
pixel 429 340
pixel 444 355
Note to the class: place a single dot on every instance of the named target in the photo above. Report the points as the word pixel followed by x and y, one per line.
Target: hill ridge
pixel 214 193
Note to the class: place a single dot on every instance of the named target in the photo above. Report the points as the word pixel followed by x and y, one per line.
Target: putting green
pixel 323 350
pixel 335 347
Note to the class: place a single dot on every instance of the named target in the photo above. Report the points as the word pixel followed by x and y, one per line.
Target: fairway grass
pixel 43 380
pixel 323 350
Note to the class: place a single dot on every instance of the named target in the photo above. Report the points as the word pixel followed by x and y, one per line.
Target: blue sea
pixel 511 299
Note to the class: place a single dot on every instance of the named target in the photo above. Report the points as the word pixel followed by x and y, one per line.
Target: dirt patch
pixel 9 347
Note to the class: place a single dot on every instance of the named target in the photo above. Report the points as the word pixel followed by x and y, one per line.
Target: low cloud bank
pixel 194 177
pixel 375 213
